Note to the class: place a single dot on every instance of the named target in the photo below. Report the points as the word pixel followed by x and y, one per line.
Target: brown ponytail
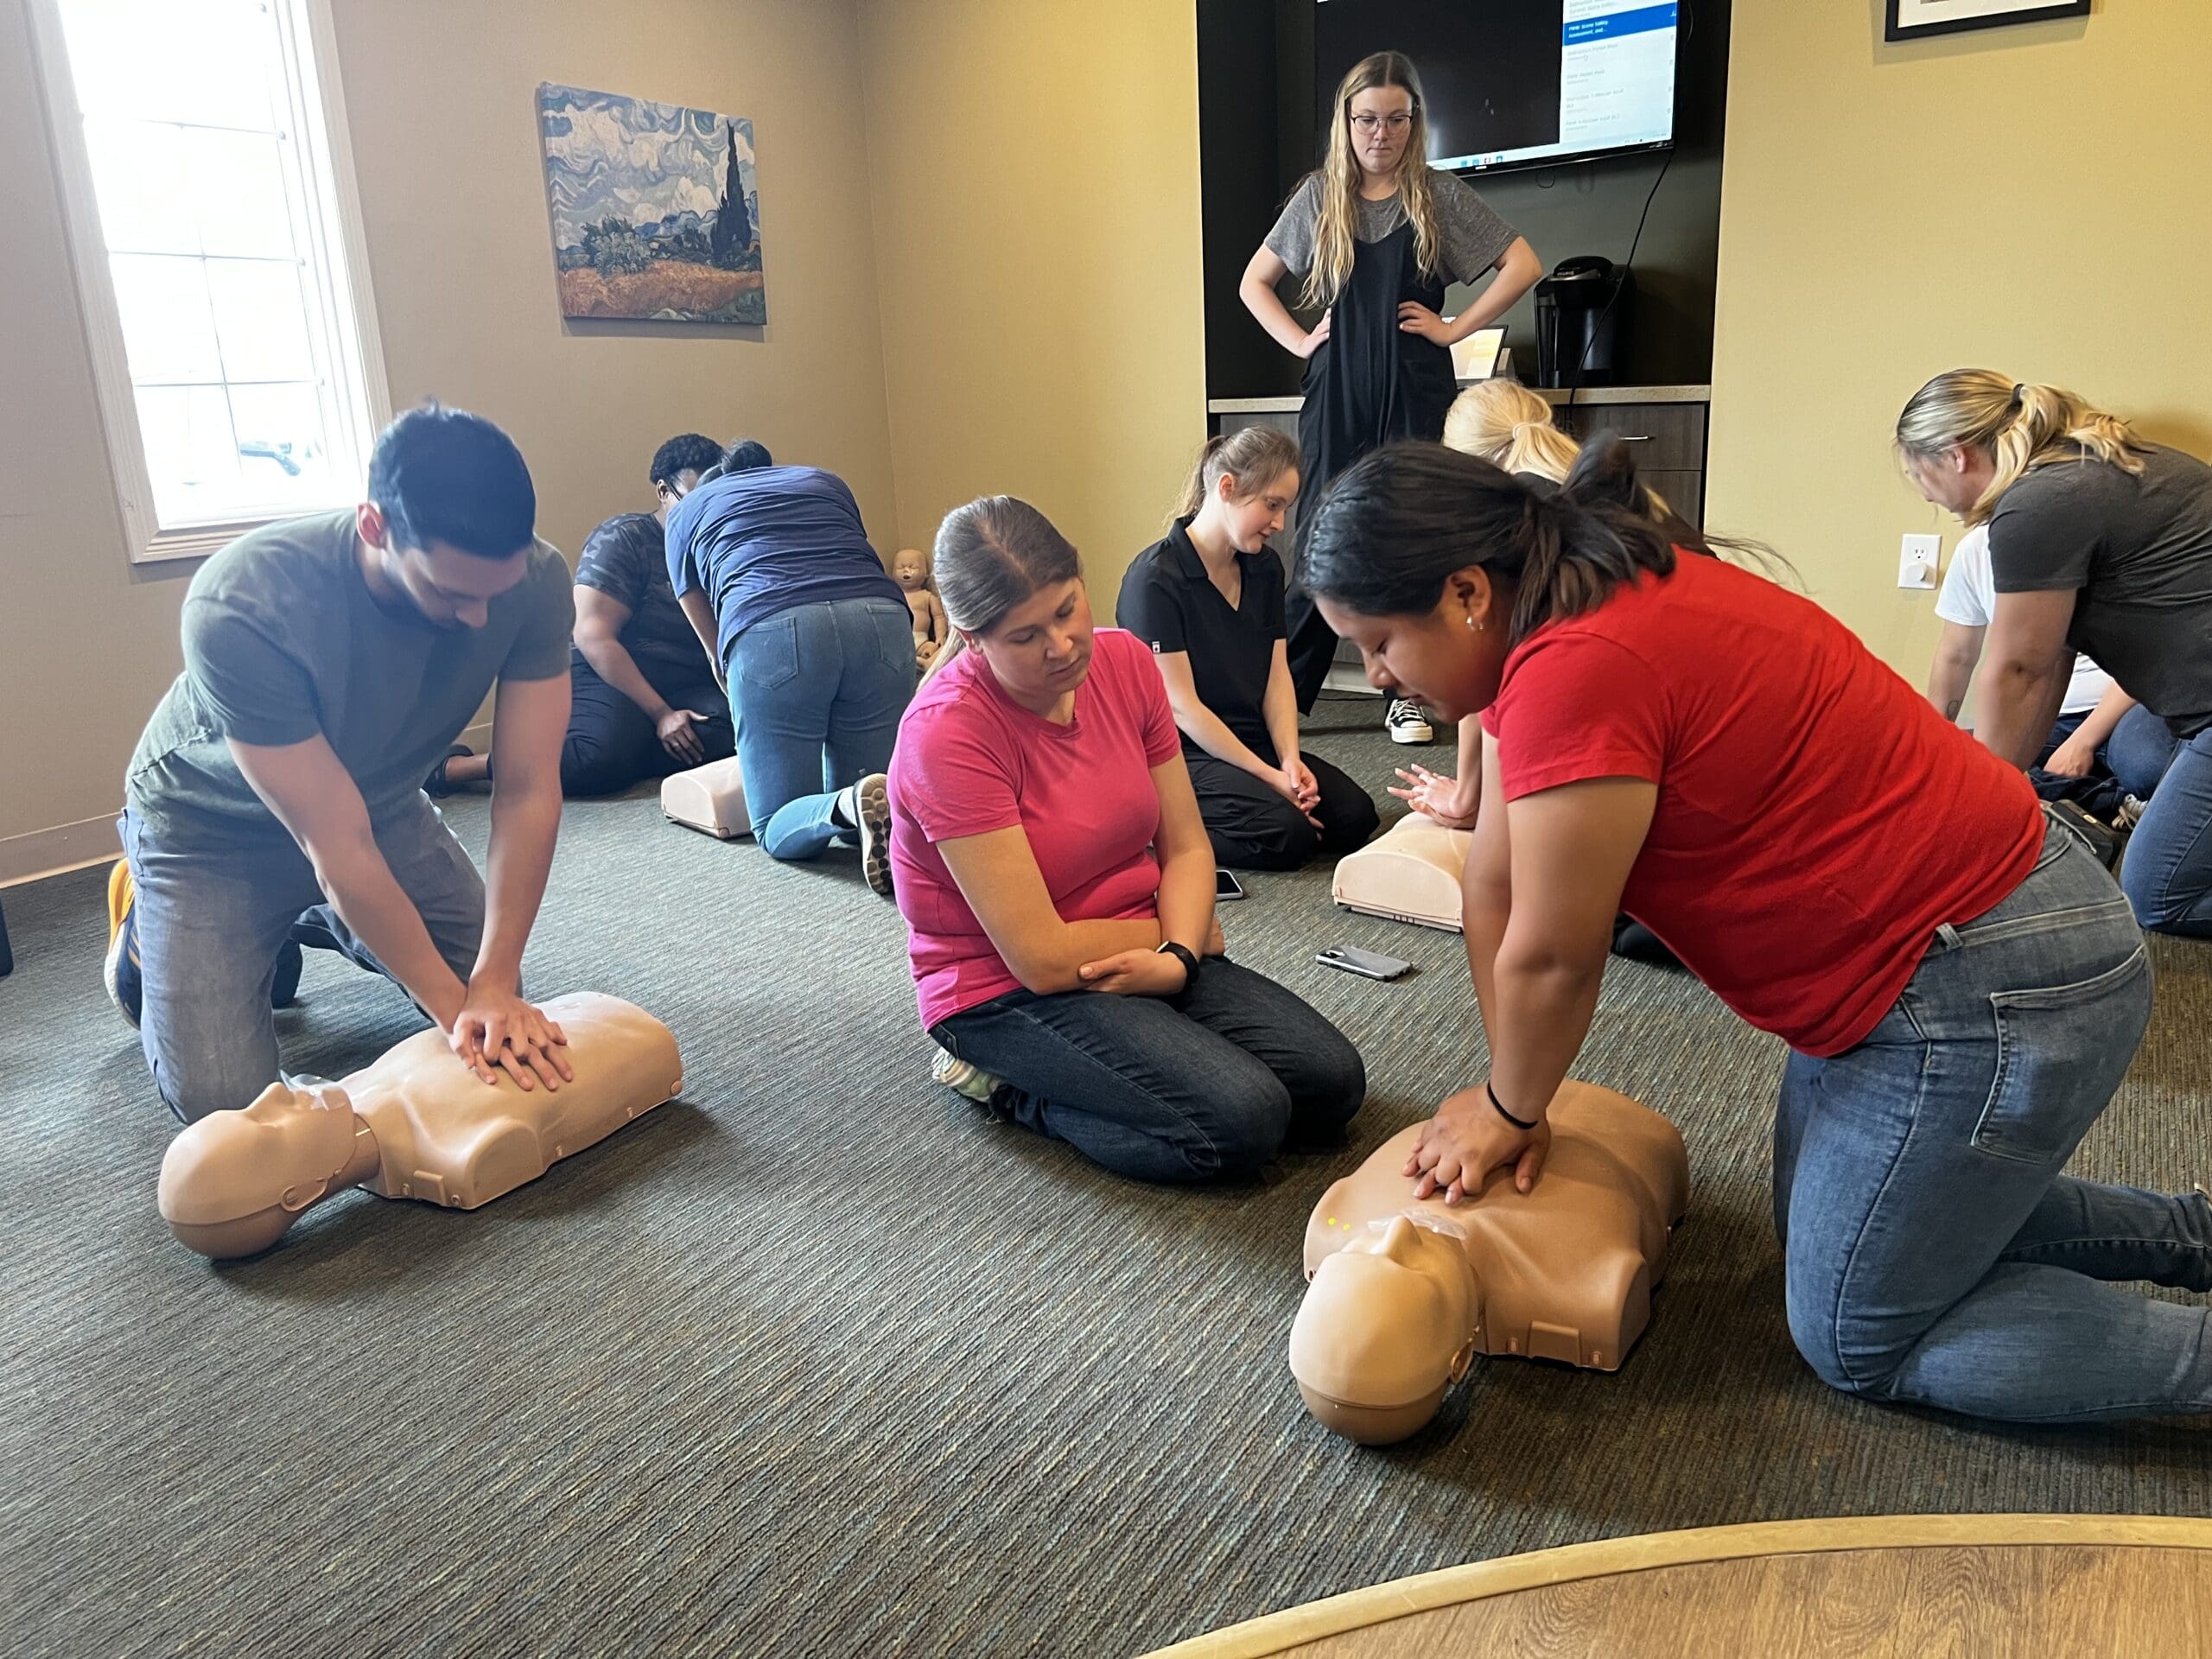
pixel 1251 459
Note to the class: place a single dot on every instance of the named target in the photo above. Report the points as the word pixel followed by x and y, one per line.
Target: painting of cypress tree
pixel 656 209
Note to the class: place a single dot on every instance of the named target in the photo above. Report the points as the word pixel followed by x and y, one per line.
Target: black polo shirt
pixel 1168 602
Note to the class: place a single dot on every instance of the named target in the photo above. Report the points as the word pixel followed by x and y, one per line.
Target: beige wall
pixel 441 99
pixel 1035 173
pixel 2029 199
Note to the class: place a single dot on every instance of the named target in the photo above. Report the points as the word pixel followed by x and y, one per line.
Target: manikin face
pixel 1451 659
pixel 1251 519
pixel 1382 127
pixel 1389 1319
pixel 1040 651
pixel 1954 479
pixel 449 587
pixel 289 1141
pixel 910 569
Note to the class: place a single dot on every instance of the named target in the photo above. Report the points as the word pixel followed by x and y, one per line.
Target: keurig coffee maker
pixel 1582 322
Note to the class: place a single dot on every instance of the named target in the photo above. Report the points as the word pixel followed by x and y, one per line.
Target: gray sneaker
pixel 867 804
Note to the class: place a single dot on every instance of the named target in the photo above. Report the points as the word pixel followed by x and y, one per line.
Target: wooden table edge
pixel 1450 1586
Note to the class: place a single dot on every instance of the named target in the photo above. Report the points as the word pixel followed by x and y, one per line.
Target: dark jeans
pixel 1253 826
pixel 1207 1087
pixel 2131 762
pixel 611 745
pixel 1936 1252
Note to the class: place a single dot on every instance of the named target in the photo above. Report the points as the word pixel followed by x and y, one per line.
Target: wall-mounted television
pixel 1516 83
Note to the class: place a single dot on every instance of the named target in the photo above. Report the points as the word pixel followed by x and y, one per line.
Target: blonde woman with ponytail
pixel 1375 237
pixel 1961 984
pixel 2100 542
pixel 1208 599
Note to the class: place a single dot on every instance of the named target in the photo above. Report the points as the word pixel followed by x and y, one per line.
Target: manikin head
pixel 234 1181
pixel 910 569
pixel 1388 1325
pixel 450 520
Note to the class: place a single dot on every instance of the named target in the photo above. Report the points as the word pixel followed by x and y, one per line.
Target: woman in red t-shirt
pixel 1960 980
pixel 1057 886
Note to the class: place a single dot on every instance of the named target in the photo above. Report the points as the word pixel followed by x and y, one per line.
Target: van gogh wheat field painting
pixel 656 213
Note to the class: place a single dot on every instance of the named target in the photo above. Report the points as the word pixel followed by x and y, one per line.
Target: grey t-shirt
pixel 2138 548
pixel 1474 239
pixel 283 639
pixel 627 559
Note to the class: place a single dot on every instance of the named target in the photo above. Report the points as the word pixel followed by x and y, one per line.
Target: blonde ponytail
pixel 1508 426
pixel 1336 217
pixel 2023 426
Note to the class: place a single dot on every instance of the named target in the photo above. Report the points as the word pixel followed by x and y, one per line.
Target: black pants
pixel 611 745
pixel 1254 827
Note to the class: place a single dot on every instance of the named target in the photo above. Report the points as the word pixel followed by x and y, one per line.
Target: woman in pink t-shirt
pixel 1961 981
pixel 1057 887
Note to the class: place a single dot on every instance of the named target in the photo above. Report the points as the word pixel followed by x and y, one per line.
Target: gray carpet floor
pixel 818 1360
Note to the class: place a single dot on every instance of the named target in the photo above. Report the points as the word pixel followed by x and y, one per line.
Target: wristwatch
pixel 1182 954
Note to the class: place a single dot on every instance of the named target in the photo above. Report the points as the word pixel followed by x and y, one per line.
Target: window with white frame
pixel 229 318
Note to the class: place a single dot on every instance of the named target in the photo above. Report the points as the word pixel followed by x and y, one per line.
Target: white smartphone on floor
pixel 1367 964
pixel 1226 887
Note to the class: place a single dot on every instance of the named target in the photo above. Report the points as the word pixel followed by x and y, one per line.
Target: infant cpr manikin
pixel 1406 1292
pixel 416 1124
pixel 709 797
pixel 1409 873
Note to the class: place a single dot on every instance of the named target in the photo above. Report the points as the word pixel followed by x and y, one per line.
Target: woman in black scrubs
pixel 1377 235
pixel 1208 599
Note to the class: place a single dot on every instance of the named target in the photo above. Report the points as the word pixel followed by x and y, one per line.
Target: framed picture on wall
pixel 1911 19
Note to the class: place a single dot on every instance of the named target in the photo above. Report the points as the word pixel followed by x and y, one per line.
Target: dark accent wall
pixel 1259 133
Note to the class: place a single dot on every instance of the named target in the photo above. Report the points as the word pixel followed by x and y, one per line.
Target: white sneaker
pixel 962 1079
pixel 2131 812
pixel 1408 722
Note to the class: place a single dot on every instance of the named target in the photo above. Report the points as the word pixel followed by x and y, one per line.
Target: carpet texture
pixel 819 1361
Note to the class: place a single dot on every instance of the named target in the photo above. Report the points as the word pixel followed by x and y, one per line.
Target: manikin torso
pixel 415 1124
pixel 1406 1292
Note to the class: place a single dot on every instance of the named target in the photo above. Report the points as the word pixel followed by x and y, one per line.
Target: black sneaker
pixel 284 989
pixel 126 985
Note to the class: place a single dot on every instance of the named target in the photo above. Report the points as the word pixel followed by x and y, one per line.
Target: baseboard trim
pixel 67 847
pixel 56 851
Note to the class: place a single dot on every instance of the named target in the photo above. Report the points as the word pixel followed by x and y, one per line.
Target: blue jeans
pixel 2167 874
pixel 1934 1253
pixel 211 923
pixel 817 691
pixel 1209 1086
pixel 2138 752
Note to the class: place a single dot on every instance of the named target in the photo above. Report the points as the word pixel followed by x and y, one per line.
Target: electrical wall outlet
pixel 1916 563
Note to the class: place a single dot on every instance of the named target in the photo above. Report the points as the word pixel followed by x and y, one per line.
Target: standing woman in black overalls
pixel 1377 235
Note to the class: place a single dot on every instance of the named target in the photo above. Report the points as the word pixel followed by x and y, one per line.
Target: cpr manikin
pixel 1410 874
pixel 1405 1292
pixel 709 797
pixel 416 1124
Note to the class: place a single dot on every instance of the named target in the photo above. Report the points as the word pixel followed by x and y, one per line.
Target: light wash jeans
pixel 817 691
pixel 2167 872
pixel 1936 1254
pixel 210 922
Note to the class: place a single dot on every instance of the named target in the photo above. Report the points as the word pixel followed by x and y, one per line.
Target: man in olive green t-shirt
pixel 329 663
